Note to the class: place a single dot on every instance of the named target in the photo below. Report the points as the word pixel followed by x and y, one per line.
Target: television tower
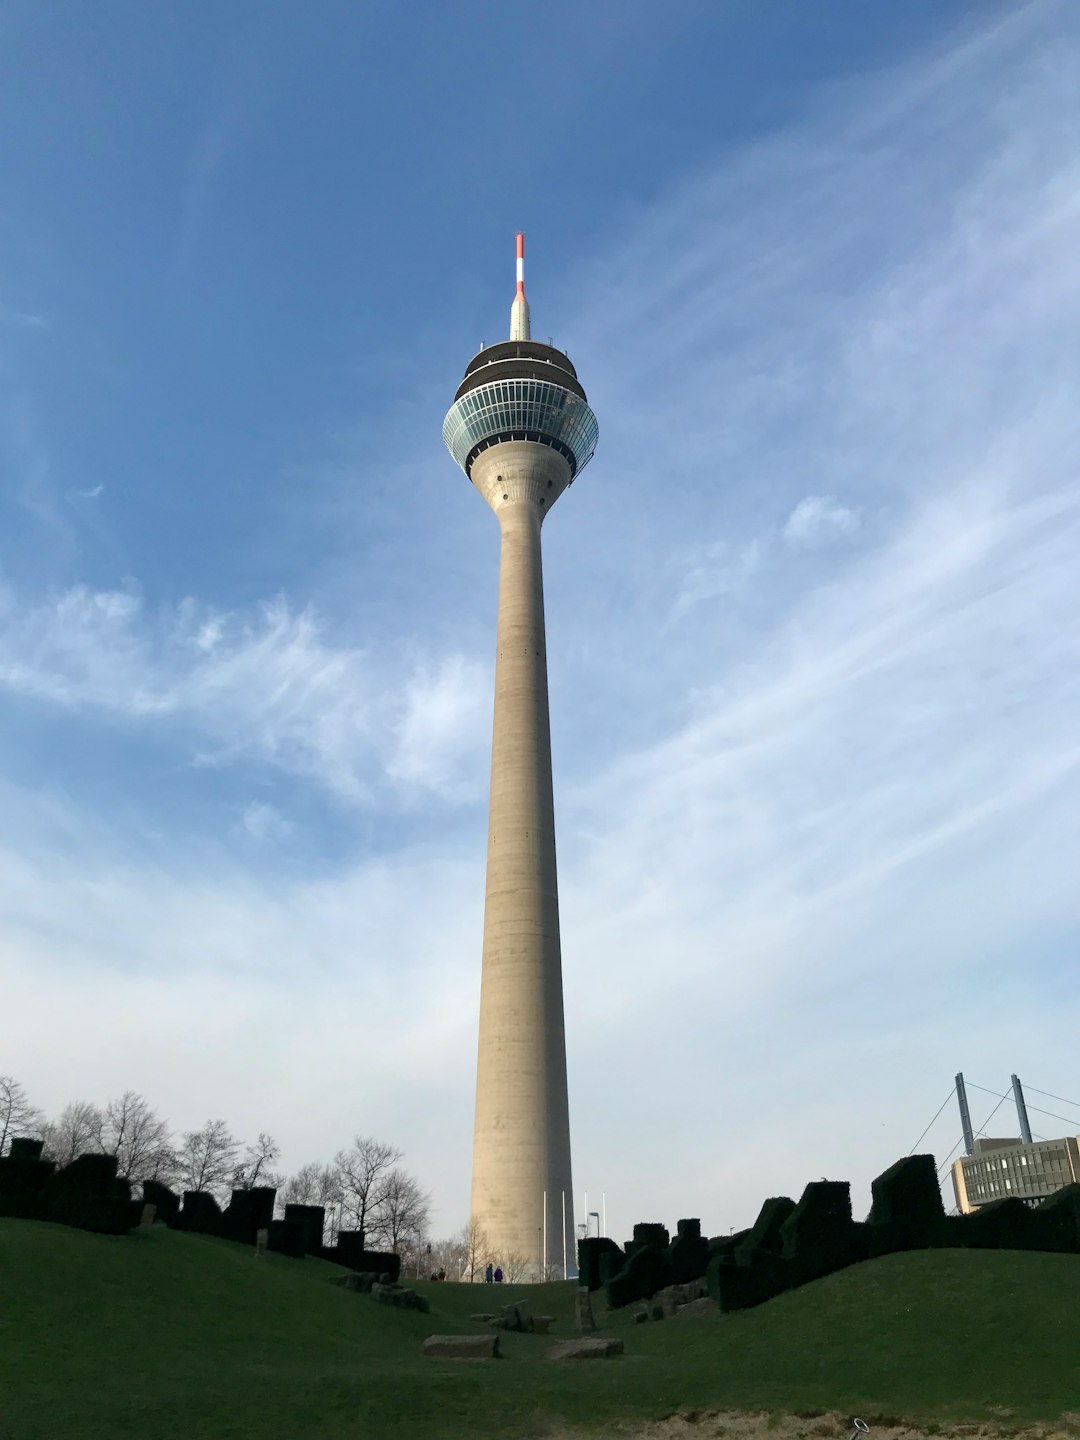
pixel 521 429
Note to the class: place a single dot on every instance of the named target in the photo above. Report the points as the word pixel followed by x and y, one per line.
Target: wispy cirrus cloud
pixel 269 685
pixel 819 520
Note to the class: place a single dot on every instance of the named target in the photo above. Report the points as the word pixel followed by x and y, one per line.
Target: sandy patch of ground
pixel 736 1425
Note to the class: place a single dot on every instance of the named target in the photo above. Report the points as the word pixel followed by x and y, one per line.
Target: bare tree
pixel 314 1184
pixel 207 1159
pixel 516 1267
pixel 474 1250
pixel 362 1171
pixel 445 1256
pixel 18 1118
pixel 77 1132
pixel 404 1210
pixel 141 1142
pixel 255 1168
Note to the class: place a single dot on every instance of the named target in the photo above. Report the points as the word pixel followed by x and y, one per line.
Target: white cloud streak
pixel 268 685
pixel 819 520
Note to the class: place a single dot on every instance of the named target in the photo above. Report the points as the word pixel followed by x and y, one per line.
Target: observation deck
pixel 521 390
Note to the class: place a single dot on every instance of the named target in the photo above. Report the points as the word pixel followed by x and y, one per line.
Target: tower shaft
pixel 521 1147
pixel 521 429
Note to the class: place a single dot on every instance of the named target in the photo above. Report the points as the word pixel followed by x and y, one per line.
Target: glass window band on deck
pixel 521 410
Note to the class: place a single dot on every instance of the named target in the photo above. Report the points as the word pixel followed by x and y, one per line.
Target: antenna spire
pixel 519 310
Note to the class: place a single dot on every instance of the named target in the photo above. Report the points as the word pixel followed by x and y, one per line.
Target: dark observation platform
pixel 520 360
pixel 521 390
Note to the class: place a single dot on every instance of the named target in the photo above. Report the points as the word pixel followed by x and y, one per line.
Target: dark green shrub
pixel 289 1237
pixel 88 1195
pixel 1008 1225
pixel 313 1218
pixel 647 1270
pixel 200 1213
pixel 952 1233
pixel 739 1284
pixel 591 1252
pixel 688 1253
pixel 908 1192
pixel 23 1149
pixel 819 1233
pixel 765 1233
pixel 23 1178
pixel 1061 1212
pixel 906 1213
pixel 350 1245
pixel 165 1201
pixel 382 1264
pixel 354 1257
pixel 721 1244
pixel 657 1235
pixel 248 1212
pixel 611 1262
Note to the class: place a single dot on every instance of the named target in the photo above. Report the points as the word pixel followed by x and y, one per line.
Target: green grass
pixel 166 1335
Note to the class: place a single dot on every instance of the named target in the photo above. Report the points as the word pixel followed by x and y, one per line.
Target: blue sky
pixel 813 615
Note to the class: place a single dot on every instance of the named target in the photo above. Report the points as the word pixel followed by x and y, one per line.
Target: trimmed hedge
pixel 1061 1213
pixel 819 1232
pixel 647 1270
pixel 721 1244
pixel 651 1234
pixel 88 1195
pixel 350 1246
pixel 364 1261
pixel 165 1201
pixel 200 1213
pixel 906 1213
pixel 765 1233
pixel 313 1218
pixel 289 1237
pixel 1008 1225
pixel 737 1284
pixel 688 1253
pixel 591 1253
pixel 248 1212
pixel 23 1177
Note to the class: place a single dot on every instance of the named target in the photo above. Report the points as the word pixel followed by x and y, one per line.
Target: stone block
pixel 397 1295
pixel 586 1347
pixel 262 1240
pixel 704 1306
pixel 362 1281
pixel 516 1317
pixel 669 1300
pixel 462 1347
pixel 148 1214
pixel 583 1312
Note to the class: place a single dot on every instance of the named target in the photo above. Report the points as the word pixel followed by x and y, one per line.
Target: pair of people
pixel 493 1276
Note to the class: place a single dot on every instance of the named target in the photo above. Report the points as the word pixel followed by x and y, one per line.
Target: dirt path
pixel 735 1425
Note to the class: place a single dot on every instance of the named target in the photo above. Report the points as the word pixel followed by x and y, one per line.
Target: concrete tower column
pixel 521 429
pixel 521 1146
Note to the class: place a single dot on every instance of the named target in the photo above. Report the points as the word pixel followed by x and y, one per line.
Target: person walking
pixel 498 1275
pixel 488 1274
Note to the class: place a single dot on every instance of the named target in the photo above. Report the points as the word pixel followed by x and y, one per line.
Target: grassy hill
pixel 165 1335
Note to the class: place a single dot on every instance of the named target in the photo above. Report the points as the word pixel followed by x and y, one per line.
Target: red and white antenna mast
pixel 519 310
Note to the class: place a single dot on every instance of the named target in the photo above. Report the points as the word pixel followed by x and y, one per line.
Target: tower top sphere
pixel 521 390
